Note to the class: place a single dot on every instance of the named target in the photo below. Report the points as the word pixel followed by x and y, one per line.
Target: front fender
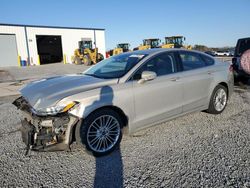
pixel 90 101
pixel 119 96
pixel 83 110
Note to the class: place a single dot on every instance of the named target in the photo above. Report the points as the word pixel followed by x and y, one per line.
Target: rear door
pixel 197 78
pixel 160 98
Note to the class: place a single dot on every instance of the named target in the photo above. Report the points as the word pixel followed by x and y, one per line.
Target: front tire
pixel 86 60
pixel 218 100
pixel 77 60
pixel 100 132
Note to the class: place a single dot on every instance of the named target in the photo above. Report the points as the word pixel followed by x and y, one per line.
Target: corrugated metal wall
pixel 70 38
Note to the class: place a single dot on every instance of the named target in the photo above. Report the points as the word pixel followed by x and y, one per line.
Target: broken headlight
pixel 57 109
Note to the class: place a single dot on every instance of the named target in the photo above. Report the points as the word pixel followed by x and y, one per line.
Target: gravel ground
pixel 197 150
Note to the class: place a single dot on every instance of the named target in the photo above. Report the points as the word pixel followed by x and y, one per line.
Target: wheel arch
pixel 213 86
pixel 211 109
pixel 225 85
pixel 114 108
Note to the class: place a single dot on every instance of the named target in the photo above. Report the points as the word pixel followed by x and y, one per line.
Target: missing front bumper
pixel 28 132
pixel 40 141
pixel 45 138
pixel 45 133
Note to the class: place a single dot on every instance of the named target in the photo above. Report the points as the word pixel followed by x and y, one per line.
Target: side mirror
pixel 147 76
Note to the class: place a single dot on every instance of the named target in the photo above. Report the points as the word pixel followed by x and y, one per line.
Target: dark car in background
pixel 241 59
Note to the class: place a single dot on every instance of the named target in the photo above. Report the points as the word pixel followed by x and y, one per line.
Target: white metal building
pixel 44 44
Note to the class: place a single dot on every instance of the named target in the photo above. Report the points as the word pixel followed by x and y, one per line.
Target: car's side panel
pixel 118 95
pixel 154 101
pixel 221 74
pixel 157 99
pixel 196 86
pixel 197 78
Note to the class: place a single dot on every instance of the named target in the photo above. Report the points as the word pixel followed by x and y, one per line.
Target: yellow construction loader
pixel 175 42
pixel 86 54
pixel 148 44
pixel 120 48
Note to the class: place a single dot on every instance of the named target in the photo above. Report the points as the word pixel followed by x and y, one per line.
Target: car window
pixel 115 66
pixel 162 64
pixel 208 60
pixel 191 61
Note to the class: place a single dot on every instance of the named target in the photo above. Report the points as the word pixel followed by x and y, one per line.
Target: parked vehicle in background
pixel 222 53
pixel 231 53
pixel 175 42
pixel 148 44
pixel 86 54
pixel 135 90
pixel 120 48
pixel 212 53
pixel 241 59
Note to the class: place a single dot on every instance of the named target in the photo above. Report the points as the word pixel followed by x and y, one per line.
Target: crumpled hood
pixel 47 92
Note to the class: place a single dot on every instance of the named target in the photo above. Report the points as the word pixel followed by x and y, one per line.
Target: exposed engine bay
pixel 45 133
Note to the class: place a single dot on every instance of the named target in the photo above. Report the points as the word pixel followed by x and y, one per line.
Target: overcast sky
pixel 215 23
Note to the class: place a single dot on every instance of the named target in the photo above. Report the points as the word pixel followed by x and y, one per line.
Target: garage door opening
pixel 49 48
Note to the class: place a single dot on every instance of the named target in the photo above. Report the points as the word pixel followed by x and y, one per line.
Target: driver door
pixel 160 98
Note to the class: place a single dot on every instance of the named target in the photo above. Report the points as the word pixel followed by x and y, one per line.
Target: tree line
pixel 204 48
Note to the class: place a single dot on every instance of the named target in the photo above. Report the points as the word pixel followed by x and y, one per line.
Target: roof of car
pixel 151 51
pixel 157 50
pixel 247 38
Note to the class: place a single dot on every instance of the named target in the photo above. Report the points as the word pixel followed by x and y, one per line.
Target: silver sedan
pixel 130 91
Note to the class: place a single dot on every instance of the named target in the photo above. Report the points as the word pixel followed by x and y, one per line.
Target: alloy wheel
pixel 103 133
pixel 220 99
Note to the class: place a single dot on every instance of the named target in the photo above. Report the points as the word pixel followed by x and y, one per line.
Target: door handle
pixel 175 79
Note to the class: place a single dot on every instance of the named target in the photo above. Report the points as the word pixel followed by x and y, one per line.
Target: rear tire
pixel 218 100
pixel 100 133
pixel 100 57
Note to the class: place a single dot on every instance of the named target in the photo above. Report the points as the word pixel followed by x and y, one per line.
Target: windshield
pixel 85 44
pixel 123 46
pixel 174 40
pixel 115 66
pixel 155 43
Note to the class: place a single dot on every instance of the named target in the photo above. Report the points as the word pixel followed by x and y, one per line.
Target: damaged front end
pixel 45 132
